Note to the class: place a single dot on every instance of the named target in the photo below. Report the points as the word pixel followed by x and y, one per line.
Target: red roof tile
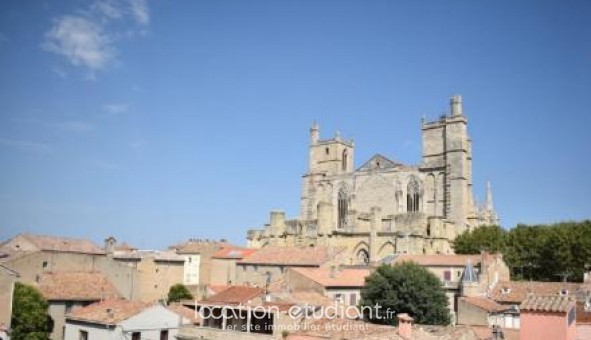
pixel 328 277
pixel 63 244
pixel 547 303
pixel 108 312
pixel 292 256
pixel 234 295
pixel 517 291
pixel 233 253
pixel 76 286
pixel 484 303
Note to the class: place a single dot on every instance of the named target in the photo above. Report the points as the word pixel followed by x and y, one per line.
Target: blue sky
pixel 156 121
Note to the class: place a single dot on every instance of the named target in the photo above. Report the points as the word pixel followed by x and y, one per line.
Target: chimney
pixel 405 325
pixel 110 243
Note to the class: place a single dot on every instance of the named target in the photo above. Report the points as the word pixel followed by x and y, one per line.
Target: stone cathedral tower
pixel 385 207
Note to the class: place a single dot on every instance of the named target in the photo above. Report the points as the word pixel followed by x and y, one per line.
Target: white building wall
pixel 149 322
pixel 192 263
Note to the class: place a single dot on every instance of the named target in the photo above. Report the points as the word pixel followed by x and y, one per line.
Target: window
pixel 362 257
pixel 164 335
pixel 327 151
pixel 447 275
pixel 412 195
pixel 343 207
pixel 353 299
pixel 136 336
pixel 82 335
pixel 44 264
pixel 344 160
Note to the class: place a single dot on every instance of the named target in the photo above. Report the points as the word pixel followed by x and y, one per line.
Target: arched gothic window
pixel 343 207
pixel 362 257
pixel 345 160
pixel 412 195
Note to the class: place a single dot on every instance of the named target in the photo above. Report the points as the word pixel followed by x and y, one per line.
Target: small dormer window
pixel 563 291
pixel 505 290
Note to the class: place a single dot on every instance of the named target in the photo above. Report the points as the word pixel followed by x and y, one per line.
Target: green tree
pixel 30 320
pixel 179 292
pixel 490 238
pixel 405 288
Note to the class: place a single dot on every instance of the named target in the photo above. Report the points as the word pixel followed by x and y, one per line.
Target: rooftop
pixel 108 312
pixel 233 253
pixel 291 256
pixel 335 277
pixel 76 286
pixel 61 244
pixel 547 303
pixel 234 295
pixel 484 303
pixel 197 246
pixel 517 291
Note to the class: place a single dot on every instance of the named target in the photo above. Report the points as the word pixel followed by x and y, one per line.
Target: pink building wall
pixel 546 326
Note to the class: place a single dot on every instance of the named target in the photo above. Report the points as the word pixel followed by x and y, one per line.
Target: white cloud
pixel 109 8
pixel 115 109
pixel 74 126
pixel 89 38
pixel 25 145
pixel 81 41
pixel 140 11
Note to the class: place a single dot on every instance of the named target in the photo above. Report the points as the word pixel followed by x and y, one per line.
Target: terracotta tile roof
pixel 164 256
pixel 186 312
pixel 233 253
pixel 199 246
pixel 328 277
pixel 547 303
pixel 216 289
pixel 517 291
pixel 234 295
pixel 484 303
pixel 438 260
pixel 124 247
pixel 76 286
pixel 63 244
pixel 292 256
pixel 108 312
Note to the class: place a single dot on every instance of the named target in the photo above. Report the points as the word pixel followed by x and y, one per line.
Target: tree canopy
pixel 405 288
pixel 30 320
pixel 179 292
pixel 539 252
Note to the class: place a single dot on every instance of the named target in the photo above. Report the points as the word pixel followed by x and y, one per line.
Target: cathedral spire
pixel 314 133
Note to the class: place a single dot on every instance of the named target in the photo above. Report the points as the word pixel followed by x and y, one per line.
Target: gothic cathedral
pixel 384 207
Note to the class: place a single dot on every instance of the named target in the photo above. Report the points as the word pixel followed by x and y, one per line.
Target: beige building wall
pixel 223 271
pixel 30 266
pixel 156 278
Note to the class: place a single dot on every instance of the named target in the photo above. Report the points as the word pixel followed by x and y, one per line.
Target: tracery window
pixel 412 195
pixel 343 207
pixel 362 257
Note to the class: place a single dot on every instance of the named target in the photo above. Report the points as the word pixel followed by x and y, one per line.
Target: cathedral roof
pixel 378 161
